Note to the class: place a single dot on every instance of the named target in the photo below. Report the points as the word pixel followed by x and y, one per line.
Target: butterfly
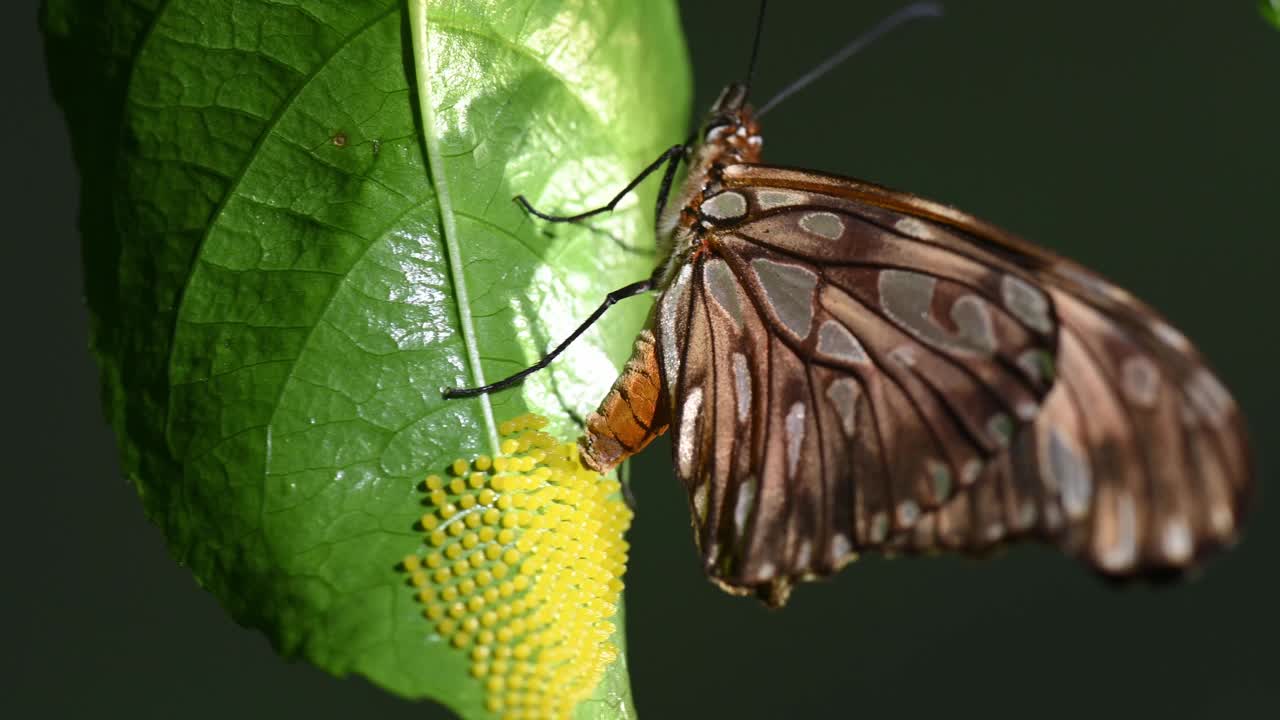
pixel 848 369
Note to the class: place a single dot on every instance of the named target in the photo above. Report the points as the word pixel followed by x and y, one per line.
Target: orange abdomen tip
pixel 632 414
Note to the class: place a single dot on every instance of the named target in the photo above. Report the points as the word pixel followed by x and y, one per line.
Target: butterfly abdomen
pixel 632 414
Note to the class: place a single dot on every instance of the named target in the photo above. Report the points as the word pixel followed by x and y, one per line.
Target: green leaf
pixel 1270 10
pixel 280 214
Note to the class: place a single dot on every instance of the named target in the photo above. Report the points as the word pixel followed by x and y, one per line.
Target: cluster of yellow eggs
pixel 522 570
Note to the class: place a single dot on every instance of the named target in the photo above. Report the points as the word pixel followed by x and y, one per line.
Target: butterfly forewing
pixel 847 368
pixel 1137 460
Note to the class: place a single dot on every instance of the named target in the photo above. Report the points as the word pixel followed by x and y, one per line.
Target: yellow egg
pixel 525 575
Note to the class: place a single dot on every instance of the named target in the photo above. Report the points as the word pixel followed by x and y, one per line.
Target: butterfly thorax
pixel 730 136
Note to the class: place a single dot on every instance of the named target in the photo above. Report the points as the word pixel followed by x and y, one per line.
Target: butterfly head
pixel 730 136
pixel 731 130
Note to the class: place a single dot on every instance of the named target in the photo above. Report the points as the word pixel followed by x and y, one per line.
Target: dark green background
pixel 1140 138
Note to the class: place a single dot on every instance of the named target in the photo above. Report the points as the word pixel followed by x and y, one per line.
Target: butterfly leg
pixel 635 288
pixel 624 478
pixel 671 158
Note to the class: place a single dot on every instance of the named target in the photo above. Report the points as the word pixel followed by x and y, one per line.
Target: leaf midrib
pixel 448 220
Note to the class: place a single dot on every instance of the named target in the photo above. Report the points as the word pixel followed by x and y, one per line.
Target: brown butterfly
pixel 849 368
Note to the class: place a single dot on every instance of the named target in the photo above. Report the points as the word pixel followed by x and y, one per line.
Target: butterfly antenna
pixel 910 12
pixel 755 51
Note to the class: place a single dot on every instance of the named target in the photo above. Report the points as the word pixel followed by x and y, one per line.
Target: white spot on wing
pixel 804 554
pixel 742 506
pixel 789 292
pixel 1037 364
pixel 1026 514
pixel 1209 398
pixel 843 394
pixel 907 298
pixel 972 317
pixel 840 546
pixel 769 199
pixel 794 427
pixel 823 224
pixel 667 316
pixel 742 385
pixel 725 206
pixel 879 529
pixel 908 513
pixel 686 442
pixel 1123 550
pixel 904 355
pixel 1000 429
pixel 836 342
pixel 700 501
pixel 939 478
pixel 913 227
pixel 722 284
pixel 1026 302
pixel 1176 540
pixel 1170 336
pixel 1090 282
pixel 1223 520
pixel 1052 517
pixel 1068 470
pixel 1141 380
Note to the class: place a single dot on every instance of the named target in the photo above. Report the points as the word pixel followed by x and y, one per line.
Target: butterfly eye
pixel 715 127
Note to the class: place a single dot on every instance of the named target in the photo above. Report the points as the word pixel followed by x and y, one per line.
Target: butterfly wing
pixel 1137 462
pixel 836 379
pixel 849 368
